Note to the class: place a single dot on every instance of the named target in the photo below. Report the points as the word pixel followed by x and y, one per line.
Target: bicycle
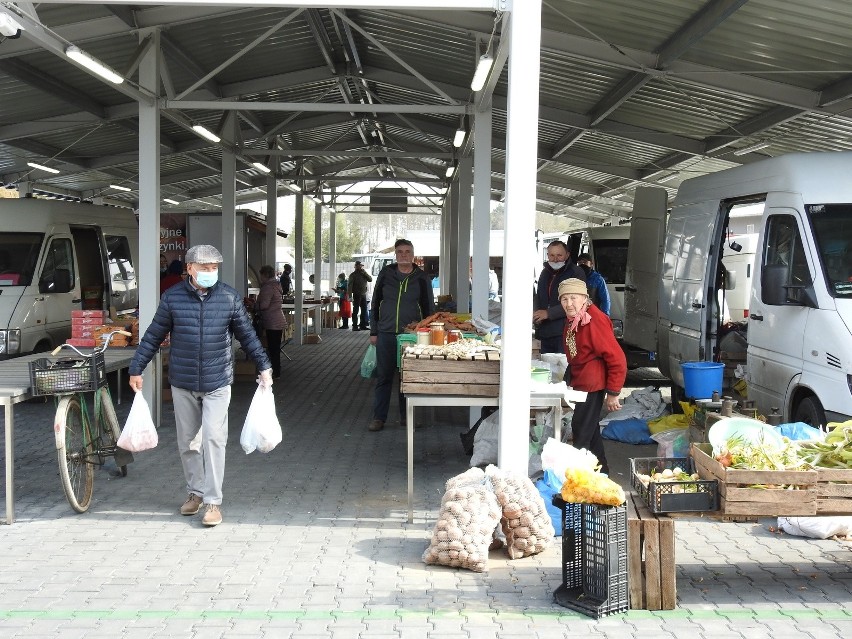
pixel 79 446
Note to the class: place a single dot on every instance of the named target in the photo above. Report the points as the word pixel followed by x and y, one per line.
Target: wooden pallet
pixel 478 376
pixel 650 557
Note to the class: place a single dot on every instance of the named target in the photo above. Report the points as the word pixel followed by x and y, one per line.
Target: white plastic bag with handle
pixel 139 432
pixel 261 430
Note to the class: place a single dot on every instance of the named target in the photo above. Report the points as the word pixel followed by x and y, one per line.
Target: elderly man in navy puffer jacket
pixel 202 315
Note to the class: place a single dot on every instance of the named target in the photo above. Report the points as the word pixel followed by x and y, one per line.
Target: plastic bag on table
pixel 261 430
pixel 672 443
pixel 139 432
pixel 368 364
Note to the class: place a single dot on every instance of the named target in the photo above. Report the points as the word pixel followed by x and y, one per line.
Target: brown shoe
pixel 376 424
pixel 192 505
pixel 212 516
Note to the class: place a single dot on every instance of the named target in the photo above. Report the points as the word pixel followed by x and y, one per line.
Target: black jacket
pixel 202 331
pixel 547 297
pixel 399 299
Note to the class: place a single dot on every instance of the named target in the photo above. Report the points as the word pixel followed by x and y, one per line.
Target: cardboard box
pixel 312 338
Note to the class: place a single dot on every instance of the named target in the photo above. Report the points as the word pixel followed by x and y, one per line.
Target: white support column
pixel 521 142
pixel 227 271
pixel 271 220
pixel 299 269
pixel 318 265
pixel 481 210
pixel 149 207
pixel 444 257
pixel 462 234
pixel 332 249
pixel 453 241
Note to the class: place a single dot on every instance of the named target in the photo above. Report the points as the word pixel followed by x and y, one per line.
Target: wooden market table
pixel 437 381
pixel 15 388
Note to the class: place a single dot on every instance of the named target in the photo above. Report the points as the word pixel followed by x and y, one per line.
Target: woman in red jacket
pixel 596 363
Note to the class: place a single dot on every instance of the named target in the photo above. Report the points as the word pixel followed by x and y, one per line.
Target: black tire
pixel 810 411
pixel 74 450
pixel 109 423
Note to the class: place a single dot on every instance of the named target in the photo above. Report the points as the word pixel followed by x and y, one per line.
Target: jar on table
pixel 424 337
pixel 453 335
pixel 437 336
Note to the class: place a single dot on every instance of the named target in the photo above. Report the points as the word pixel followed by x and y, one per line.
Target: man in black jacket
pixel 202 315
pixel 403 294
pixel 549 316
pixel 358 281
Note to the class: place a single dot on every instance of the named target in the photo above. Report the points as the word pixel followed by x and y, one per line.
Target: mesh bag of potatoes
pixel 469 513
pixel 525 522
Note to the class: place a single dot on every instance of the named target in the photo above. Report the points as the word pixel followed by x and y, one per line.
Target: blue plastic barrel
pixel 700 379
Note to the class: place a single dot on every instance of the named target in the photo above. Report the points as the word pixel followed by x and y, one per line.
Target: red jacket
pixel 600 363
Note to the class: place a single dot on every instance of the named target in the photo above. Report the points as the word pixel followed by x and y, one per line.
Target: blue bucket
pixel 700 379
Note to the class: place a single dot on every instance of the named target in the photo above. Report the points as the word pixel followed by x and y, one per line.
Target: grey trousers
pixel 202 434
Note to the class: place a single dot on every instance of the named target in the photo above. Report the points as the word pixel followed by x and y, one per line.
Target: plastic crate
pixel 673 496
pixel 403 340
pixel 67 375
pixel 594 559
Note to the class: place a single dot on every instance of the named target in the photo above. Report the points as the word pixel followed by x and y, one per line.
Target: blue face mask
pixel 206 279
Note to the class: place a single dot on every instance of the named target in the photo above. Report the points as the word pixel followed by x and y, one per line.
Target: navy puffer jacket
pixel 202 332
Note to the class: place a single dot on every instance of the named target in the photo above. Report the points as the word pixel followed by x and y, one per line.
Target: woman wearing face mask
pixel 596 365
pixel 549 316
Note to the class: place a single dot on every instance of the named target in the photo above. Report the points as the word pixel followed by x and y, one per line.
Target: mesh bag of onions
pixel 468 516
pixel 525 522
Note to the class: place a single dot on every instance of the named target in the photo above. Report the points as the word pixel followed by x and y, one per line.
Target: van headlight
pixel 10 342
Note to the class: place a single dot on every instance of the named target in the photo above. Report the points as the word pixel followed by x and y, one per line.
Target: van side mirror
pixel 776 291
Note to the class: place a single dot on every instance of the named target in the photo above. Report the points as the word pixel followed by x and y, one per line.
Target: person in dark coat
pixel 548 316
pixel 203 316
pixel 358 281
pixel 403 294
pixel 172 277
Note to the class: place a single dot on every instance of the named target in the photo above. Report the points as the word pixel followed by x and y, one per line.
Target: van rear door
pixel 642 278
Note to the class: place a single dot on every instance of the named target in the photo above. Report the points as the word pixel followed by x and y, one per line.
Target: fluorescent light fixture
pixel 170 201
pixel 95 66
pixel 671 176
pixel 42 167
pixel 261 167
pixel 118 187
pixel 459 138
pixel 481 73
pixel 9 27
pixel 206 133
pixel 450 170
pixel 754 147
pixel 296 187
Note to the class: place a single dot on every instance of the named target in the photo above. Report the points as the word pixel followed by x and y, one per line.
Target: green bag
pixel 368 364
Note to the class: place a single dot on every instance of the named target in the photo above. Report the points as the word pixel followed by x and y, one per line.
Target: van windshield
pixel 832 224
pixel 18 255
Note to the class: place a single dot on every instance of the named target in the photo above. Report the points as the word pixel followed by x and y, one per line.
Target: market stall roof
pixel 648 92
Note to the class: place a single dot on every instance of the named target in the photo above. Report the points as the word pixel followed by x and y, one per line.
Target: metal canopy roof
pixel 632 93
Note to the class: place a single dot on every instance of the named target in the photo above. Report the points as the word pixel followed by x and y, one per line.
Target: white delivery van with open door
pixel 57 256
pixel 799 355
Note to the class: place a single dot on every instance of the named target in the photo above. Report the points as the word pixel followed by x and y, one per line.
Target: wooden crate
pixel 434 374
pixel 834 491
pixel 738 498
pixel 650 557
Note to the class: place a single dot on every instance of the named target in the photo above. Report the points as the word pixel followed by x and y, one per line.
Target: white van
pixel 799 355
pixel 54 255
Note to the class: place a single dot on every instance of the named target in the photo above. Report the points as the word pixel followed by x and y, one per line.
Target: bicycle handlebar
pixel 107 339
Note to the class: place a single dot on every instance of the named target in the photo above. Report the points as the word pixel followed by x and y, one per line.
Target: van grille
pixel 831 360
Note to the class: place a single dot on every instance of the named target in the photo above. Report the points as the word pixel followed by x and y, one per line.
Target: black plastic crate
pixel 673 496
pixel 67 375
pixel 594 558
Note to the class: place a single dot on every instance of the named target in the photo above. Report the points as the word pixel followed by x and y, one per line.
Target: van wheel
pixel 809 410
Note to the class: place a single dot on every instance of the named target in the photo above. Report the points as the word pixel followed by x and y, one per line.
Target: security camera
pixel 9 27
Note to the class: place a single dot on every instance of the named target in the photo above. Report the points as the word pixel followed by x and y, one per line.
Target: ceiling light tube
pixel 450 170
pixel 261 167
pixel 296 187
pixel 42 167
pixel 170 201
pixel 118 187
pixel 666 178
pixel 481 73
pixel 754 147
pixel 206 133
pixel 95 66
pixel 459 138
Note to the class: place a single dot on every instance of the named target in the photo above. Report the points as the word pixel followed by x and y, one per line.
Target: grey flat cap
pixel 203 254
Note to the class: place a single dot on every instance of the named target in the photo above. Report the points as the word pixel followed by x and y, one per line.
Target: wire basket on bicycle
pixel 68 374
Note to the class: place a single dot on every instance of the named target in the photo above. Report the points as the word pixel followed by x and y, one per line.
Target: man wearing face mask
pixel 549 316
pixel 203 316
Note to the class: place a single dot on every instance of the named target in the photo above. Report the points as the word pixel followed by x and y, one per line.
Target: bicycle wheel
pixel 108 422
pixel 74 450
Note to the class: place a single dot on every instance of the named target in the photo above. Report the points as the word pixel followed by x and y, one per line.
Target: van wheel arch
pixel 808 409
pixel 43 346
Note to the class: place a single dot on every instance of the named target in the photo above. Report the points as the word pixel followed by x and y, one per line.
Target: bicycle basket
pixel 67 375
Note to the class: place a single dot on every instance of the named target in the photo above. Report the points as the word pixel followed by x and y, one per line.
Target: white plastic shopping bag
pixel 139 432
pixel 261 430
